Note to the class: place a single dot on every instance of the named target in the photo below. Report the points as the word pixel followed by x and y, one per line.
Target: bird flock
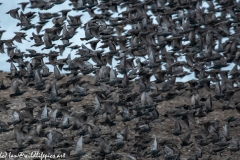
pixel 154 43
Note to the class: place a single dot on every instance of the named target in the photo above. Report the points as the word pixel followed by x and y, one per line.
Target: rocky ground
pixel 162 133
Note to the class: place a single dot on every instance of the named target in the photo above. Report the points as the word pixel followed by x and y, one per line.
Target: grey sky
pixel 9 24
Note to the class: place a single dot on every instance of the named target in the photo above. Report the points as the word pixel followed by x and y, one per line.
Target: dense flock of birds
pixel 206 38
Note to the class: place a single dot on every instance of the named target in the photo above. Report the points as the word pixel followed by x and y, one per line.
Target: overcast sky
pixel 9 24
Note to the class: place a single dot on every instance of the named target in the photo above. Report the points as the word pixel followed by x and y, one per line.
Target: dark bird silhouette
pixel 14 13
pixel 47 41
pixel 15 88
pixel 3 86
